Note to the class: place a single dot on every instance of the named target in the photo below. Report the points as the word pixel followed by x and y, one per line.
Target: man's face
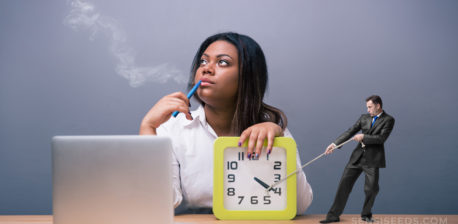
pixel 373 109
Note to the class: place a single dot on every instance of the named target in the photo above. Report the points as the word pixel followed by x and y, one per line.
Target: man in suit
pixel 367 157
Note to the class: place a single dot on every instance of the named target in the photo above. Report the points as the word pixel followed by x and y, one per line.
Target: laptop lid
pixel 112 179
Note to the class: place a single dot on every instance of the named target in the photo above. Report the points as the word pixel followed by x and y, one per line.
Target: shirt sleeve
pixel 304 190
pixel 163 130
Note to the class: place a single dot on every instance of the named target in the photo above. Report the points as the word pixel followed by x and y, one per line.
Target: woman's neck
pixel 220 119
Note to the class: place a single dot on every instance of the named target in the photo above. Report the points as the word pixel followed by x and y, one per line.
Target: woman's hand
pixel 162 111
pixel 256 135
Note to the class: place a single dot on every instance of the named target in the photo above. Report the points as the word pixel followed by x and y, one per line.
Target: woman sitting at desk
pixel 233 71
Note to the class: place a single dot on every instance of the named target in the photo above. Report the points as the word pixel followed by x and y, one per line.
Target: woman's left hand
pixel 256 134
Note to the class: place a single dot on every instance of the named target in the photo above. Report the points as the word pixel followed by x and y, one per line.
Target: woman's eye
pixel 223 62
pixel 203 62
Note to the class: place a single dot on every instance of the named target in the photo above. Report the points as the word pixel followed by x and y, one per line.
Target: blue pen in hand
pixel 193 90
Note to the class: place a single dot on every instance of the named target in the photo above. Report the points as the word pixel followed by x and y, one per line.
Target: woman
pixel 233 71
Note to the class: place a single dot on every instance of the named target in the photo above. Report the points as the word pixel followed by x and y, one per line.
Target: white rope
pixel 308 163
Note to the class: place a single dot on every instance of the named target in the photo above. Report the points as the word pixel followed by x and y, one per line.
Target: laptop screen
pixel 112 179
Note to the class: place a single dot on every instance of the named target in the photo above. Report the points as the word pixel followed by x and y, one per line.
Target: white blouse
pixel 193 162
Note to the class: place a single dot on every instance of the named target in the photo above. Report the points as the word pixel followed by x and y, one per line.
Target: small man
pixel 367 157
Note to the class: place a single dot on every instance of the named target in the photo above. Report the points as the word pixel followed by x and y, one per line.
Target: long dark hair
pixel 250 108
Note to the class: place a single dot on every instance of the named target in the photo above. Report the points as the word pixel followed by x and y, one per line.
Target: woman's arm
pixel 256 134
pixel 155 117
pixel 304 190
pixel 176 182
pixel 162 111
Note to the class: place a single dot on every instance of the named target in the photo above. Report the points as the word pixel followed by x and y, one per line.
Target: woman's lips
pixel 206 82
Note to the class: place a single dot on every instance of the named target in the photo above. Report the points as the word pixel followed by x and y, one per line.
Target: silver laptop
pixel 112 179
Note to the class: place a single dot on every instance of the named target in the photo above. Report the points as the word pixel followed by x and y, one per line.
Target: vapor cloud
pixel 84 16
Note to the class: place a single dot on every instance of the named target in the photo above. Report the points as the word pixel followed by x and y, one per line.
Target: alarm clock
pixel 240 184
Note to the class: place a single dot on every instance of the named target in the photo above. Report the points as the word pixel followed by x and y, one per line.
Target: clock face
pixel 246 181
pixel 239 184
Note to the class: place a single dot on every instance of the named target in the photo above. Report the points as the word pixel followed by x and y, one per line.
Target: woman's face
pixel 218 70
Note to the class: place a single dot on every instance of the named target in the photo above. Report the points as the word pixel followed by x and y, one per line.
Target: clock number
pixel 277 165
pixel 254 200
pixel 231 178
pixel 267 200
pixel 231 191
pixel 241 156
pixel 277 177
pixel 232 165
pixel 277 191
pixel 241 199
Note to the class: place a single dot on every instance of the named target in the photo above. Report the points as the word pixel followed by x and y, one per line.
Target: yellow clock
pixel 239 183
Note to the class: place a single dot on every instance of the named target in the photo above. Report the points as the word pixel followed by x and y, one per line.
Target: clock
pixel 240 184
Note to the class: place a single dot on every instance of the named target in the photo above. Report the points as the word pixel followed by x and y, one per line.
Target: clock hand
pixel 308 163
pixel 262 183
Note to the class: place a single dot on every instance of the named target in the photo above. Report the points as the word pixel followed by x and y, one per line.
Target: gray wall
pixel 61 74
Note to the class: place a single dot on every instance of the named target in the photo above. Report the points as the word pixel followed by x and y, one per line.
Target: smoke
pixel 84 16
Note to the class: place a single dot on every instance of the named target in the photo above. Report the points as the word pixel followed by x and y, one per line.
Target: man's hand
pixel 358 137
pixel 330 149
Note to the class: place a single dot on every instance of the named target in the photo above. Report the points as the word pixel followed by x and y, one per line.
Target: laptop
pixel 112 179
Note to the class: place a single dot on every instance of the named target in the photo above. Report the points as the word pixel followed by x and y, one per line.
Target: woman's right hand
pixel 162 111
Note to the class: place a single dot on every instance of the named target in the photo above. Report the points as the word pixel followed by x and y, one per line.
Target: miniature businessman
pixel 367 157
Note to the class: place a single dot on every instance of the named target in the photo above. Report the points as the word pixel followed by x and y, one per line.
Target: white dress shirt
pixel 193 162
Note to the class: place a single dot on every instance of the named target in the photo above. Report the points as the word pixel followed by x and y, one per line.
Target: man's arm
pixel 384 133
pixel 345 136
pixel 349 133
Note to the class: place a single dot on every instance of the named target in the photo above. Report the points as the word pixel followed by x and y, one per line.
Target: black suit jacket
pixel 374 139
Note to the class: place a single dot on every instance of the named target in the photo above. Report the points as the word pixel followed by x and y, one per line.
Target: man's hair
pixel 375 99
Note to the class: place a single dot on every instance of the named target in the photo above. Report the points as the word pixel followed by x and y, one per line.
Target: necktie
pixel 375 118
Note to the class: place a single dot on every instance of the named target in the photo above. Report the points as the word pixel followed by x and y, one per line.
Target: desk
pixel 210 219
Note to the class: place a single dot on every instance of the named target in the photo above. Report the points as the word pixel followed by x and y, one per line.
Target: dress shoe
pixel 328 220
pixel 367 219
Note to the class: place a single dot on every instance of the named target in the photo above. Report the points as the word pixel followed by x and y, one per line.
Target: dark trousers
pixel 349 177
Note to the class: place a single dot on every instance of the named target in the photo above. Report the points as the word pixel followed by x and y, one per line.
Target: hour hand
pixel 266 186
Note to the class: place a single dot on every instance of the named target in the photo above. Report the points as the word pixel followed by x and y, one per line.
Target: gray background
pixel 324 58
